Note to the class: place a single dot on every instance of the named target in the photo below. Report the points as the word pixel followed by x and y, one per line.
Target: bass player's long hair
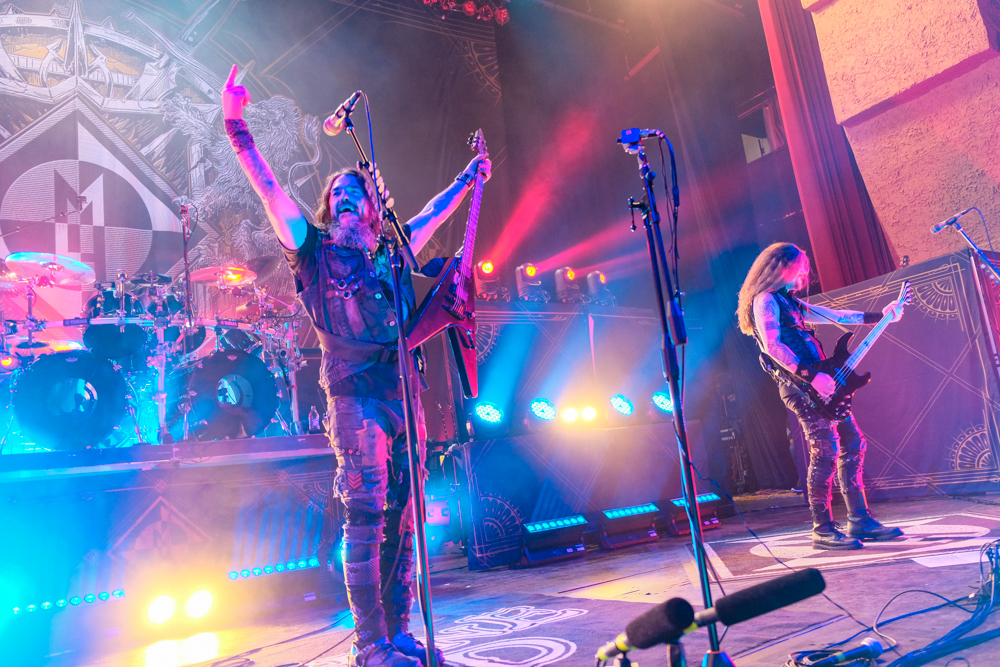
pixel 767 274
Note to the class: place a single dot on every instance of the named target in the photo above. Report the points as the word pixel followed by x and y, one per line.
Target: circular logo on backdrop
pixel 81 210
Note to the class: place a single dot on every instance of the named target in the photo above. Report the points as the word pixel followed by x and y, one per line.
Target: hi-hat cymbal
pixel 50 268
pixel 230 276
pixel 146 279
pixel 265 266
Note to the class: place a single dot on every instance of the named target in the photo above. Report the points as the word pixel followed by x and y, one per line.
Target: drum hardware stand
pixel 399 251
pixel 674 335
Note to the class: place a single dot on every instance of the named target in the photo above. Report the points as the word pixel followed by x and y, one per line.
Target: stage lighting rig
pixel 567 287
pixel 529 284
pixel 487 281
pixel 541 414
pixel 598 290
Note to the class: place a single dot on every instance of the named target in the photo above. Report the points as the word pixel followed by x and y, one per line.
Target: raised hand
pixel 234 97
pixel 480 165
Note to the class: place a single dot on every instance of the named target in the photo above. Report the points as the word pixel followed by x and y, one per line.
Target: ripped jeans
pixel 373 481
pixel 830 443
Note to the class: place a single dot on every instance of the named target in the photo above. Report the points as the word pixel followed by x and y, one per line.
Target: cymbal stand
pixel 32 325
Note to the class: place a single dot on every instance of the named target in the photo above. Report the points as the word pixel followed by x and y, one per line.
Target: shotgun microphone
pixel 334 124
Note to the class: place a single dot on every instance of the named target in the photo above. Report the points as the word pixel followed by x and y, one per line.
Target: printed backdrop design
pixel 110 121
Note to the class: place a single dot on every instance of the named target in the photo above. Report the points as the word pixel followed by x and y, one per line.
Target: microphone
pixel 762 598
pixel 674 618
pixel 949 222
pixel 663 623
pixel 869 649
pixel 635 135
pixel 334 125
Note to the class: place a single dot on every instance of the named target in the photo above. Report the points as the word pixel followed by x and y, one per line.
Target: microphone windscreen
pixel 765 598
pixel 662 623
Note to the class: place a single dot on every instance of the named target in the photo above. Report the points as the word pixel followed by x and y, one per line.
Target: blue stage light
pixel 31 607
pixel 622 405
pixel 703 498
pixel 245 574
pixel 46 606
pixel 280 567
pixel 75 600
pixel 540 526
pixel 257 571
pixel 17 610
pixel 314 562
pixel 543 409
pixel 89 598
pixel 489 413
pixel 630 511
pixel 290 565
pixel 60 603
pixel 662 400
pixel 103 596
pixel 118 594
pixel 233 576
pixel 268 569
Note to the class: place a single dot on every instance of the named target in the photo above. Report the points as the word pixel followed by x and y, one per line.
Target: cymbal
pixel 32 345
pixel 58 270
pixel 145 279
pixel 230 276
pixel 256 309
pixel 265 266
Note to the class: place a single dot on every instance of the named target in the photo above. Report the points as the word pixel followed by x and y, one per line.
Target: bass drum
pixel 231 394
pixel 69 400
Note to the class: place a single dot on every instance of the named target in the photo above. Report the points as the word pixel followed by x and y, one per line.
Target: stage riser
pixel 168 531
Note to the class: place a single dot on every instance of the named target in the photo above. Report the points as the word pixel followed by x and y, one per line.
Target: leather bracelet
pixel 872 318
pixel 465 178
pixel 807 373
pixel 239 135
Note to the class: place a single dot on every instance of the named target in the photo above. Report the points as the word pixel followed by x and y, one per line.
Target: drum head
pixel 232 394
pixel 69 400
pixel 114 342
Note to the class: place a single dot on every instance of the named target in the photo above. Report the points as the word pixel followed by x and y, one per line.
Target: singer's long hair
pixel 767 274
pixel 323 217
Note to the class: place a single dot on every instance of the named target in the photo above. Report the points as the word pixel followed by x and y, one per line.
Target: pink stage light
pixel 560 163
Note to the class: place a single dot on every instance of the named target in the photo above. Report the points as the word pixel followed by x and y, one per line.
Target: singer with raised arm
pixel 769 311
pixel 344 281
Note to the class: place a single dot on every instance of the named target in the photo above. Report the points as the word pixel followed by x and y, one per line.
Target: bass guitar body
pixel 439 311
pixel 838 406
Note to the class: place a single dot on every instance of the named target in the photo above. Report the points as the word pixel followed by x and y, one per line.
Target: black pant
pixel 830 443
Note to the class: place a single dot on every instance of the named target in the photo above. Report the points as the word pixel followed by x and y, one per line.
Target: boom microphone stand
pixel 399 252
pixel 674 335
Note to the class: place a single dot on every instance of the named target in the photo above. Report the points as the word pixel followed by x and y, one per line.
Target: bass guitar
pixel 451 304
pixel 841 366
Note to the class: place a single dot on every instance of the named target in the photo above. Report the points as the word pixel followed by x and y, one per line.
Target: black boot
pixel 828 536
pixel 861 522
pixel 864 526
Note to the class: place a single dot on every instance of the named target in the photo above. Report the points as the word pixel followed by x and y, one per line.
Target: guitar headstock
pixel 477 142
pixel 905 294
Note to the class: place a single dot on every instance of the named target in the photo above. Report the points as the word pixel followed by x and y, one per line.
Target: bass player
pixel 770 313
pixel 343 279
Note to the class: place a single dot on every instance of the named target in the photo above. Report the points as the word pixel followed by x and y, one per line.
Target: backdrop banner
pixel 930 412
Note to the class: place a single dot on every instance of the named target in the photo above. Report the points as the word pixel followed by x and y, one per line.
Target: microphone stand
pixel 674 335
pixel 983 257
pixel 400 252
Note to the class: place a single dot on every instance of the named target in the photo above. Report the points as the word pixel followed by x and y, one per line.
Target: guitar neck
pixel 866 345
pixel 469 244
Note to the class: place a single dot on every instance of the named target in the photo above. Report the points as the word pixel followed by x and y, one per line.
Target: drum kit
pixel 148 369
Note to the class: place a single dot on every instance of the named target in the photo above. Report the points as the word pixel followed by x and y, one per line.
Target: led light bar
pixel 300 564
pixel 73 601
pixel 631 511
pixel 554 524
pixel 703 498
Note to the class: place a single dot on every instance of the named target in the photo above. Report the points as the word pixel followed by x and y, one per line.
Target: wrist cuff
pixel 239 135
pixel 872 318
pixel 807 373
pixel 465 178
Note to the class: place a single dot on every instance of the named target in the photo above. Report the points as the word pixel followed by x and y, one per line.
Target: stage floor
pixel 559 614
